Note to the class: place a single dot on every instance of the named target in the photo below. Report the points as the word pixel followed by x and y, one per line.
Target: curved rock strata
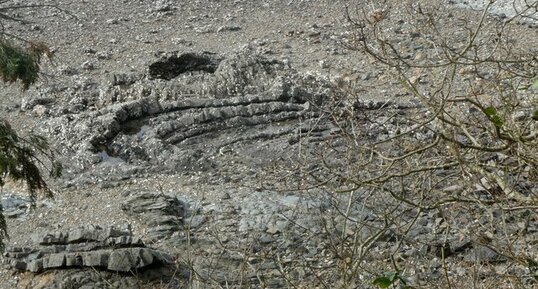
pixel 154 125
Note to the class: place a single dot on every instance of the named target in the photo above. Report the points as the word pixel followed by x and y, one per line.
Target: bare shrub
pixel 437 187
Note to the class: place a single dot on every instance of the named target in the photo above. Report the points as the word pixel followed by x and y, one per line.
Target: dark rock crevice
pixel 172 66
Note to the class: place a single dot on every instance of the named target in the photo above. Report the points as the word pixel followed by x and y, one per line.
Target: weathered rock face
pixel 162 214
pixel 109 248
pixel 208 105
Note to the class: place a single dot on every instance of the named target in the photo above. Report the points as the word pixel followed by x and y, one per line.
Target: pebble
pixel 88 65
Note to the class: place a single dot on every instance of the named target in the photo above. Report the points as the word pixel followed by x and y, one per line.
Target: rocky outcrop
pixel 187 111
pixel 109 249
pixel 163 215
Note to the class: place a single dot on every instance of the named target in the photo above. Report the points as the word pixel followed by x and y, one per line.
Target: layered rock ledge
pixel 108 248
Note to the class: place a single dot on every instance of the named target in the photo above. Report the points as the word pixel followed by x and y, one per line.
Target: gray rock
pixel 72 260
pixel 40 110
pixel 124 79
pixel 91 246
pixel 96 279
pixel 484 254
pixel 274 214
pixel 96 258
pixel 88 65
pixel 129 259
pixel 53 238
pixel 103 55
pixel 35 266
pixel 163 214
pixel 503 8
pixel 13 206
pixel 56 260
pixel 228 28
pixel 162 6
pixel 195 221
pixel 28 103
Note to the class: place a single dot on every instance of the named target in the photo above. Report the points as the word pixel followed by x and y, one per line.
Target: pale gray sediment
pixel 522 11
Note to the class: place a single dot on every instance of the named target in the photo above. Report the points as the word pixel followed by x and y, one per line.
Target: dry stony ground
pixel 97 38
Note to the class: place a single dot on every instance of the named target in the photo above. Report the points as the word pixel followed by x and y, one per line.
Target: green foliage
pixel 19 160
pixel 386 280
pixel 17 64
pixel 391 279
pixel 20 157
pixel 494 117
pixel 21 64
